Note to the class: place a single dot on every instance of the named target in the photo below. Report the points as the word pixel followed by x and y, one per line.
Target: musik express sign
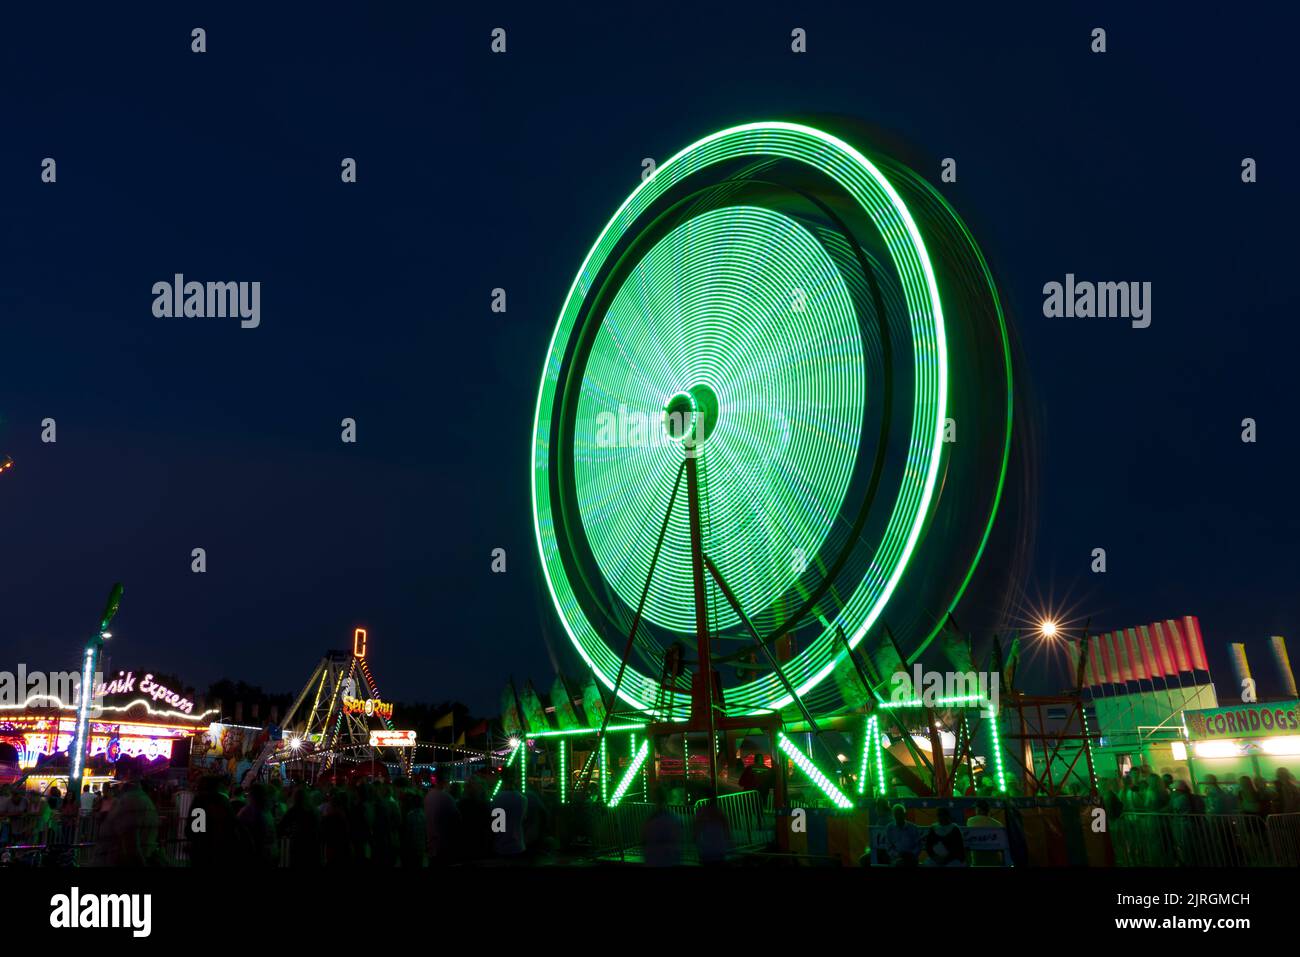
pixel 1257 720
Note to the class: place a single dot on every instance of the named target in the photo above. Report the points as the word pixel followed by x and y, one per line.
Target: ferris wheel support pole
pixel 585 777
pixel 703 684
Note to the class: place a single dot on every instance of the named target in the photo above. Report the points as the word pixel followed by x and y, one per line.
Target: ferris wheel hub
pixel 690 416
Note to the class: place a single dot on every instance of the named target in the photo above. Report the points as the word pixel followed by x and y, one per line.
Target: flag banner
pixel 879 647
pixel 446 721
pixel 1136 656
pixel 1240 665
pixel 534 710
pixel 849 681
pixel 1195 643
pixel 1282 662
pixel 1154 671
pixel 1106 670
pixel 566 715
pixel 1174 633
pixel 1080 649
pixel 1119 661
pixel 956 648
pixel 593 705
pixel 1013 659
pixel 1095 679
pixel 511 721
pixel 1168 665
pixel 1126 670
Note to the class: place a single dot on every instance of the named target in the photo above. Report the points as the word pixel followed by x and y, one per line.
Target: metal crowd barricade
pixel 1149 839
pixel 743 811
pixel 622 829
pixel 1284 838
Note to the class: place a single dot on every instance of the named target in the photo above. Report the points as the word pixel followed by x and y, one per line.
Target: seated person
pixel 943 841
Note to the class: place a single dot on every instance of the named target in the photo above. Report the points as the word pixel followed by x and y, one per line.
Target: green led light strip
pixel 571 732
pixel 630 775
pixel 997 754
pixel 804 763
pixel 509 762
pixel 869 728
pixel 604 770
pixel 564 772
pixel 717 286
pixel 1087 743
pixel 968 700
pixel 882 786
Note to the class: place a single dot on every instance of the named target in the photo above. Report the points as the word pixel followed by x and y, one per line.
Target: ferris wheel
pixel 775 416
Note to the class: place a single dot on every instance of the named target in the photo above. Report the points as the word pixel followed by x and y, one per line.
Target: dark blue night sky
pixel 478 171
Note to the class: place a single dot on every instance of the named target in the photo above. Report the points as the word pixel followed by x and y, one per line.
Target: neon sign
pixel 370 707
pixel 392 739
pixel 125 683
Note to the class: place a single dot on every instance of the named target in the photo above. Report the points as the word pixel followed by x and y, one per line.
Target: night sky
pixel 477 171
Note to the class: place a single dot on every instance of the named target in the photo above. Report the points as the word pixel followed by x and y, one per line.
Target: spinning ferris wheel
pixel 774 418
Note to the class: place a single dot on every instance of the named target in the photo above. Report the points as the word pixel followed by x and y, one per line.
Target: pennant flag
pixel 956 648
pixel 593 705
pixel 1108 671
pixel 993 662
pixel 849 680
pixel 1013 659
pixel 1154 671
pixel 1195 643
pixel 566 716
pixel 1120 647
pixel 448 720
pixel 879 648
pixel 1168 666
pixel 1081 663
pixel 479 730
pixel 511 722
pixel 1135 655
pixel 1175 635
pixel 534 710
pixel 460 740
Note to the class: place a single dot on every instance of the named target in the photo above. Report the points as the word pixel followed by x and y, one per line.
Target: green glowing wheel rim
pixel 734 308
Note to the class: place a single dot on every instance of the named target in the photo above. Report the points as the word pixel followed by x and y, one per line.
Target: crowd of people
pixel 363 822
pixel 942 844
pixel 1144 790
pixel 419 823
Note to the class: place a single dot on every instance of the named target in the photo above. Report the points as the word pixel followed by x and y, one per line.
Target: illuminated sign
pixel 370 707
pixel 392 739
pixel 125 683
pixel 359 643
pixel 1258 720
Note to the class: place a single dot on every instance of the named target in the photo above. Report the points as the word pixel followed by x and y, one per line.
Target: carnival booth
pixel 1253 739
pixel 135 717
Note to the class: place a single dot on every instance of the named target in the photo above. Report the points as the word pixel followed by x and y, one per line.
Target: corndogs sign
pixel 1260 720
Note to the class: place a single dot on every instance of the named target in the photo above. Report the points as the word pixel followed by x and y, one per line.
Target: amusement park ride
pixel 346 720
pixel 811 353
